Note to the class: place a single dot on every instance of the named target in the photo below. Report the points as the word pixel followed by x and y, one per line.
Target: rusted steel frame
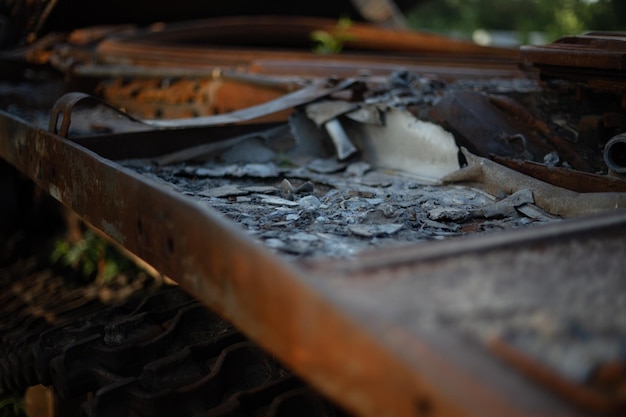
pixel 354 355
pixel 272 302
pixel 565 55
pixel 585 397
pixel 596 50
pixel 599 79
pixel 280 31
pixel 373 262
pixel 287 74
pixel 172 47
pixel 284 309
pixel 582 182
pixel 283 83
pixel 176 48
pixel 370 278
pixel 112 52
pixel 346 68
pixel 597 60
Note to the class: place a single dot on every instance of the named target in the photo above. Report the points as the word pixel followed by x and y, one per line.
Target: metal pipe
pixel 615 154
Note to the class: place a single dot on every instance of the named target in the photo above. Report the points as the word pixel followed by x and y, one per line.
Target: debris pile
pixel 302 211
pixel 374 179
pixel 374 162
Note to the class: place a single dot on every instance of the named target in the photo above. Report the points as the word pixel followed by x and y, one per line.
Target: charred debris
pixel 403 138
pixel 405 145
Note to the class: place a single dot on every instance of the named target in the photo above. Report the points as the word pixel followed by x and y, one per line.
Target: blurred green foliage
pixel 93 257
pixel 554 18
pixel 332 42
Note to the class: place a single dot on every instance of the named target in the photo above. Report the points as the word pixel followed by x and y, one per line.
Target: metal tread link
pixel 30 305
pixel 162 355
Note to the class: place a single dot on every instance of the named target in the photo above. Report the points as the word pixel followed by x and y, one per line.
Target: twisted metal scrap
pixel 495 178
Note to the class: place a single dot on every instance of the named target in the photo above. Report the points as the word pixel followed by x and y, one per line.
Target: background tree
pixel 554 18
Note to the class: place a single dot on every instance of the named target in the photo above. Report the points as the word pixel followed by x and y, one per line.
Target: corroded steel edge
pixel 281 307
pixel 211 259
pixel 364 284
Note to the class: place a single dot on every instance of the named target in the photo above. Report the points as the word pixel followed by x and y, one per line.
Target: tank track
pixel 159 353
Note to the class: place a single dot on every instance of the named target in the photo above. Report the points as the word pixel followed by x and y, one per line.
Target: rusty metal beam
pixel 582 182
pixel 342 326
pixel 278 31
pixel 452 294
pixel 211 258
pixel 195 46
pixel 603 51
pixel 596 59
